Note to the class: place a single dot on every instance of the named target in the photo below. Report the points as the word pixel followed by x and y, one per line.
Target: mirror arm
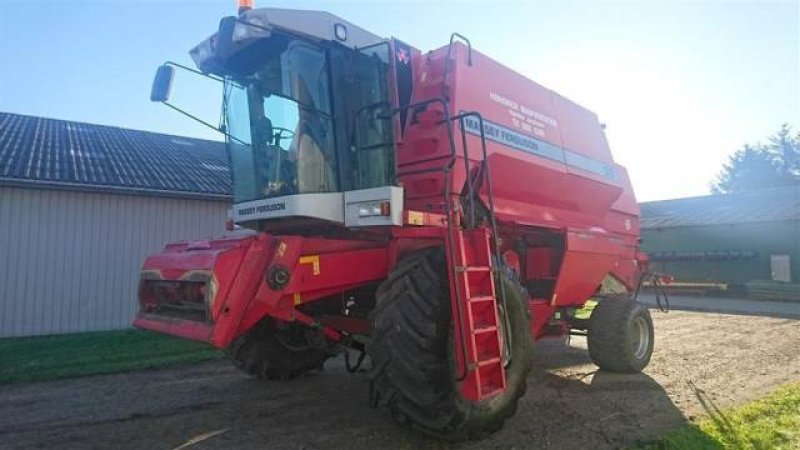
pixel 181 66
pixel 217 129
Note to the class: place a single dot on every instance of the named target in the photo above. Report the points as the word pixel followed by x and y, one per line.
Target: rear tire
pixel 263 353
pixel 412 352
pixel 620 335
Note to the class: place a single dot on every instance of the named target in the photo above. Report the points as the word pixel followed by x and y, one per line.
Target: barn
pixel 81 205
pixel 732 239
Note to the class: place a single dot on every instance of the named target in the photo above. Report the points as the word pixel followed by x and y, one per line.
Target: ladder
pixel 475 292
pixel 478 334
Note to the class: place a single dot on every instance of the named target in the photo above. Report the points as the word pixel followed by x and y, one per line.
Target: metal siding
pixel 69 261
pixel 767 238
pixel 5 251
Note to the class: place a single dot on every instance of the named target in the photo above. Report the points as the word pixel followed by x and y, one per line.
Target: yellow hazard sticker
pixel 416 218
pixel 313 260
pixel 586 312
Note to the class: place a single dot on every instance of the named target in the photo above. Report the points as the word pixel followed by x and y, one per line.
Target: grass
pixel 770 423
pixel 63 356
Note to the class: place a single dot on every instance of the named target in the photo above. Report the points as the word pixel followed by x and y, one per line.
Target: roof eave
pixel 107 189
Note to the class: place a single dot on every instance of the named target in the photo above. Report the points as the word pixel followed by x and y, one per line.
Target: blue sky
pixel 680 85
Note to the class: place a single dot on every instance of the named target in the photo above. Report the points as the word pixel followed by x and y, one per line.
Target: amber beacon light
pixel 245 5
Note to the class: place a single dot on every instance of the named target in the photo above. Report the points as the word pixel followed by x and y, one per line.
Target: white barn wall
pixel 70 260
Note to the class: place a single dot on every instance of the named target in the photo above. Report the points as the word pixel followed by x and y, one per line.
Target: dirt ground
pixel 719 359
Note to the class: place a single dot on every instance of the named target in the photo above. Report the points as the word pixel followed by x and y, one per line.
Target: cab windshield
pixel 283 138
pixel 280 124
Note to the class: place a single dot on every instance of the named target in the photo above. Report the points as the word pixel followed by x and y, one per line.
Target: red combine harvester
pixel 437 212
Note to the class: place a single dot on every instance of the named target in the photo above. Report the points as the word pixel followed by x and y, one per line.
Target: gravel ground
pixel 700 358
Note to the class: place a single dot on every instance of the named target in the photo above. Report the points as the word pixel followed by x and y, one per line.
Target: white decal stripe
pixel 520 141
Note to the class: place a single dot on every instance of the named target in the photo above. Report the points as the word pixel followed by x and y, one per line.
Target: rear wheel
pixel 620 335
pixel 273 353
pixel 412 352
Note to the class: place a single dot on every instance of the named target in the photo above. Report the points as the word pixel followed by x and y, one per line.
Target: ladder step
pixel 474 268
pixel 490 390
pixel 484 329
pixel 489 362
pixel 481 298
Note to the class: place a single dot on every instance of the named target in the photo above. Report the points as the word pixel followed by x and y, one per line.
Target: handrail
pixel 485 174
pixel 447 63
pixel 449 55
pixel 448 210
pixel 466 41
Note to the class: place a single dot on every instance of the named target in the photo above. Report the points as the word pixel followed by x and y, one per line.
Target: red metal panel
pixel 262 300
pixel 542 262
pixel 337 269
pixel 504 96
pixel 541 311
pixel 555 186
pixel 181 257
pixel 627 270
pixel 249 275
pixel 624 215
pixel 317 267
pixel 186 329
pixel 588 258
pixel 580 129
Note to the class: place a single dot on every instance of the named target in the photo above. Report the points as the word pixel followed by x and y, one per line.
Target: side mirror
pixel 162 84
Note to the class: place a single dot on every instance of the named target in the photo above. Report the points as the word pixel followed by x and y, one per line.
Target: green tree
pixel 785 150
pixel 759 166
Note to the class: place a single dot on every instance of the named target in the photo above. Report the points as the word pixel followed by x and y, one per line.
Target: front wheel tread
pixel 411 349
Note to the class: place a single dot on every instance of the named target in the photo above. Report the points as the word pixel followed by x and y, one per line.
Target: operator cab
pixel 308 118
pixel 281 118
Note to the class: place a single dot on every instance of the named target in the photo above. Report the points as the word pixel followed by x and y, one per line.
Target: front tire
pixel 621 335
pixel 412 352
pixel 269 353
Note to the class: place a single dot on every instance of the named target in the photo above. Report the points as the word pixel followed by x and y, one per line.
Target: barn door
pixel 780 268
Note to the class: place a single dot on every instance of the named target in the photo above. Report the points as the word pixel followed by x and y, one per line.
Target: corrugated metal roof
pixel 59 152
pixel 764 205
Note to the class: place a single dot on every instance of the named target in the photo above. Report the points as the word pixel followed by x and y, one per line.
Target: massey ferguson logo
pixel 260 209
pixel 402 55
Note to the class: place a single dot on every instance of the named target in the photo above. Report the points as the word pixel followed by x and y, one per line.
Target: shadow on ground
pixel 568 405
